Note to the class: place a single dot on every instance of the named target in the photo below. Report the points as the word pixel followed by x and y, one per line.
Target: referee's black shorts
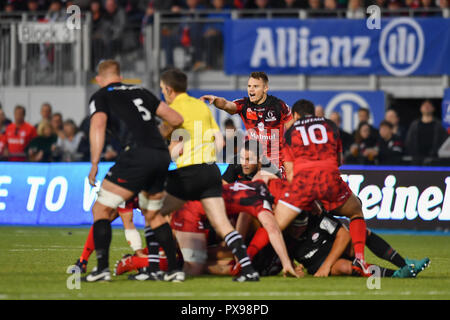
pixel 141 169
pixel 195 182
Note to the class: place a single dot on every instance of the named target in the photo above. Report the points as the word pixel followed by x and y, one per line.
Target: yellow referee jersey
pixel 198 131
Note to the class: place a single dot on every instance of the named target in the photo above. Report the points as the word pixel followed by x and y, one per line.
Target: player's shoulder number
pixel 309 136
pixel 146 115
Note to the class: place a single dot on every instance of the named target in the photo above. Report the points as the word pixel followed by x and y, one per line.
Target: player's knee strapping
pixel 150 204
pixel 134 239
pixel 109 199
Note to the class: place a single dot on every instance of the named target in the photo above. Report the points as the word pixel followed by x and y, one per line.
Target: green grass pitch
pixel 34 260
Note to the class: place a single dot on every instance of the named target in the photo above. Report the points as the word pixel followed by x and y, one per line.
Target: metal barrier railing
pixel 170 39
pixel 38 49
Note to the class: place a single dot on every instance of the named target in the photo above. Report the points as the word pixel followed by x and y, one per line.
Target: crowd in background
pixel 118 25
pixel 55 139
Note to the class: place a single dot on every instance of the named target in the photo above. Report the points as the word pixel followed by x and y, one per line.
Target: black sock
pixel 153 249
pixel 236 244
pixel 383 250
pixel 163 235
pixel 102 240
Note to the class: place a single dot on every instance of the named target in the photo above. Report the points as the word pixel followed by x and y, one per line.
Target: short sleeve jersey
pixel 312 142
pixel 200 126
pixel 265 123
pixel 133 107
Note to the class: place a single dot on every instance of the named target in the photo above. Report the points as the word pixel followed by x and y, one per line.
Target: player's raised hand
pixel 208 98
pixel 93 174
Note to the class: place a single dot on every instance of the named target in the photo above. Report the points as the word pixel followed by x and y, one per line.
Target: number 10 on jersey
pixel 310 135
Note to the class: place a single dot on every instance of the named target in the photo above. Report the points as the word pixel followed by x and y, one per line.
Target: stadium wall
pixel 39 194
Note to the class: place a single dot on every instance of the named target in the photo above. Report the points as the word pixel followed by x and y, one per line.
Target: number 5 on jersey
pixel 146 115
pixel 310 135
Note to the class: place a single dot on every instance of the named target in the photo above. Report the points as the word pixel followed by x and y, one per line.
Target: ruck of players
pixel 280 207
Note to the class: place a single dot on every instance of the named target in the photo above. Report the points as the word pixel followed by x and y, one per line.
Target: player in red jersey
pixel 312 159
pixel 251 197
pixel 18 135
pixel 265 116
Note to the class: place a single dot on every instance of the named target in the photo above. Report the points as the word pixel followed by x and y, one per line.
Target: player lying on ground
pixel 312 156
pixel 187 223
pixel 322 244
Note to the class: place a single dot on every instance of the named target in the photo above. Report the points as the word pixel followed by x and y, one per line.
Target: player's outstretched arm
pixel 276 240
pixel 97 133
pixel 220 103
pixel 340 244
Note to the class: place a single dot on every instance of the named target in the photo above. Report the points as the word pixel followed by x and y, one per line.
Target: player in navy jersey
pixel 265 117
pixel 141 167
pixel 312 156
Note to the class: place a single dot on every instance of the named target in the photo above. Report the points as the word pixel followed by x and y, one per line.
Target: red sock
pixel 145 250
pixel 89 245
pixel 358 233
pixel 139 262
pixel 259 241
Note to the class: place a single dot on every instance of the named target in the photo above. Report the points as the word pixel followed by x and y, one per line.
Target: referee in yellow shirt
pixel 197 176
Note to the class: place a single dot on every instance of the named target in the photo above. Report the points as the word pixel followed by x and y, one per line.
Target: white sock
pixel 134 239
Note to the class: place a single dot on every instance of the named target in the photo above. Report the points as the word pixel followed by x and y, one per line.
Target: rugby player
pixel 197 176
pixel 141 167
pixel 251 197
pixel 265 116
pixel 322 244
pixel 313 154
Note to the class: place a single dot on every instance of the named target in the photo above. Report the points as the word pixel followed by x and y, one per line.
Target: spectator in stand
pixel 363 151
pixel 260 5
pixel 213 35
pixel 33 6
pixel 364 116
pixel 115 20
pixel 389 146
pixel 400 131
pixel 192 35
pixel 18 135
pixel 355 10
pixel 67 146
pixel 98 32
pixel 170 32
pixel 319 111
pixel 380 3
pixel 331 6
pixel 314 8
pixel 425 136
pixel 393 7
pixel 4 121
pixel 46 113
pixel 428 9
pixel 347 138
pixel 41 148
pixel 413 4
pixel 57 124
pixel 444 4
pixel 55 11
pixel 292 4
